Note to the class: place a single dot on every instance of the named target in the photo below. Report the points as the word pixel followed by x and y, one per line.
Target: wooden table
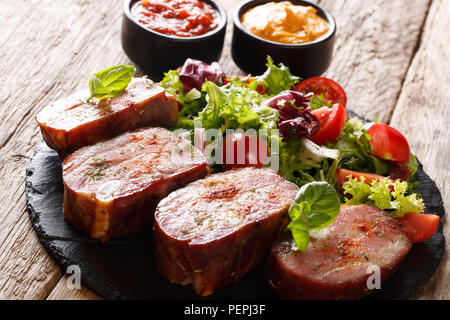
pixel 392 57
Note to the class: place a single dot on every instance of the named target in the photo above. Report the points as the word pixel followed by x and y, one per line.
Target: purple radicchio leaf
pixel 195 72
pixel 295 117
pixel 304 125
pixel 398 171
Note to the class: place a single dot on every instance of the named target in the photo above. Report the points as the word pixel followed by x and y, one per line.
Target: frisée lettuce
pixel 385 194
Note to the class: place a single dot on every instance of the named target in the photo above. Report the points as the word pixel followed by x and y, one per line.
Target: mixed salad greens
pixel 305 128
pixel 319 147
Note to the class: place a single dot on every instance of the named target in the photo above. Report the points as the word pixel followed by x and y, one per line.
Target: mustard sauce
pixel 285 23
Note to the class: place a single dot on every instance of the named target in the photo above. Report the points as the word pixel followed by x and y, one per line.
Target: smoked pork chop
pixel 71 123
pixel 213 231
pixel 112 188
pixel 337 264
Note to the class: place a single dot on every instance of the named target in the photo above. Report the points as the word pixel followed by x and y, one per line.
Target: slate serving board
pixel 123 268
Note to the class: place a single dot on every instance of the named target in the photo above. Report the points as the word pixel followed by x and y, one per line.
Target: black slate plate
pixel 123 268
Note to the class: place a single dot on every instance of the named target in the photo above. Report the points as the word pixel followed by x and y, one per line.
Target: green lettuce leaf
pixel 211 115
pixel 235 107
pixel 277 78
pixel 413 166
pixel 301 161
pixel 192 102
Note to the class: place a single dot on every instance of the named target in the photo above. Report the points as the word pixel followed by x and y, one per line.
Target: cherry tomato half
pixel 331 123
pixel 388 143
pixel 330 89
pixel 243 150
pixel 343 175
pixel 419 226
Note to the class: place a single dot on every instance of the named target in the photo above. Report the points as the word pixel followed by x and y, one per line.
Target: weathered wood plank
pixel 226 61
pixel 48 50
pixel 374 45
pixel 62 292
pixel 41 64
pixel 27 272
pixel 422 115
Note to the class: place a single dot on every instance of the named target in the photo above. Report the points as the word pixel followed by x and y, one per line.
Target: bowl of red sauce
pixel 159 35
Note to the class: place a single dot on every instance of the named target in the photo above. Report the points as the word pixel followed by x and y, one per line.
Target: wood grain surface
pixel 390 56
pixel 421 114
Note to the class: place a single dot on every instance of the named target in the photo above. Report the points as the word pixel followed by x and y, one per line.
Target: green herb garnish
pixel 315 207
pixel 317 102
pixel 110 82
pixel 98 168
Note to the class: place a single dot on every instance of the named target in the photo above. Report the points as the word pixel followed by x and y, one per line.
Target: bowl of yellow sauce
pixel 300 34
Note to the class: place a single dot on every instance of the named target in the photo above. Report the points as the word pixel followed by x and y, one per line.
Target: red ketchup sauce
pixel 182 18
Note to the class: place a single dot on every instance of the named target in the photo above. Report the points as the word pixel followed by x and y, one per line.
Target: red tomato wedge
pixel 419 226
pixel 331 123
pixel 344 175
pixel 243 150
pixel 322 114
pixel 388 143
pixel 330 89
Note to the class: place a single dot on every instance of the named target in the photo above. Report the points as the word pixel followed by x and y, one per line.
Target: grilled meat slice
pixel 213 231
pixel 112 188
pixel 338 264
pixel 71 123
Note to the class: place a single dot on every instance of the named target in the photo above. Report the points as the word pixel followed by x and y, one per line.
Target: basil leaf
pixel 316 206
pixel 300 232
pixel 323 202
pixel 111 82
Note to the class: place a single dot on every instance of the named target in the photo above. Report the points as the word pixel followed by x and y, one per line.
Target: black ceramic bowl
pixel 306 60
pixel 156 53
